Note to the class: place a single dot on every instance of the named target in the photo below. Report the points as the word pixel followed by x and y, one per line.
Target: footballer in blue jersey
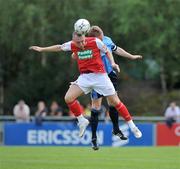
pixel 97 98
pixel 112 47
pixel 108 67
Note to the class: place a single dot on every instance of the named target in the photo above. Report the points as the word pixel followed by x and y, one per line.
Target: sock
pixel 131 124
pixel 80 118
pixel 121 108
pixel 75 107
pixel 114 118
pixel 94 122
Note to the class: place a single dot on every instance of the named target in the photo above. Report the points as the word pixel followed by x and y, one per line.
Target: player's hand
pixel 73 56
pixel 137 57
pixel 116 67
pixel 36 48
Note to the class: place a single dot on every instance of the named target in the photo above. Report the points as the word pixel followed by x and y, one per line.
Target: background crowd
pixel 22 112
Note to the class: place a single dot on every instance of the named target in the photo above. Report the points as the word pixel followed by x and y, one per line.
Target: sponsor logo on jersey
pixel 87 54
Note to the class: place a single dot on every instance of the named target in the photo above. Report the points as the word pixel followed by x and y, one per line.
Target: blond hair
pixel 95 31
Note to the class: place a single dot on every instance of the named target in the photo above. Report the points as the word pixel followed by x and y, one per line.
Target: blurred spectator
pixel 172 114
pixel 55 109
pixel 41 112
pixel 21 112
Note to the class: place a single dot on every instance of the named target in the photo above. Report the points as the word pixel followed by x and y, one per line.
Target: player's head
pixel 79 40
pixel 96 31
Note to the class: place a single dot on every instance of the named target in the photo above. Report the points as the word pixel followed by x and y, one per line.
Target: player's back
pixel 108 42
pixel 110 45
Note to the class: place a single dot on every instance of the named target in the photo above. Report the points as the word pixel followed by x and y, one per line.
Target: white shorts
pixel 99 82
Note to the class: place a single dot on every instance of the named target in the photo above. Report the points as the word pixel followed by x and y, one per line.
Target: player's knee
pixel 68 98
pixel 113 101
pixel 96 106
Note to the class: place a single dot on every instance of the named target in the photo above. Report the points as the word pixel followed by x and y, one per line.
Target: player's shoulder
pixel 67 43
pixel 107 38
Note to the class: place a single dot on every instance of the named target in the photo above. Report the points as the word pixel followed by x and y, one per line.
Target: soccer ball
pixel 82 26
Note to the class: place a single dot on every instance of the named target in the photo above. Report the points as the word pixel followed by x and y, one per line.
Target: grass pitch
pixel 86 158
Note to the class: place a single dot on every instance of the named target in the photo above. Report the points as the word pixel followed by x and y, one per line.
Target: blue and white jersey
pixel 112 47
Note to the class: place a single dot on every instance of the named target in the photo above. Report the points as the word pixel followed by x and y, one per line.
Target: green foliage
pixel 149 27
pixel 152 27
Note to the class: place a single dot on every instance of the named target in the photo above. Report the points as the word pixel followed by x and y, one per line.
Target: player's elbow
pixel 58 48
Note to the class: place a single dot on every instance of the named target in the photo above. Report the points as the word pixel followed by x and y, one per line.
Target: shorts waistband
pixel 86 72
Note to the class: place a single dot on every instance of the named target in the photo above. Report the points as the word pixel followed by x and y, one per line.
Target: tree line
pixel 150 28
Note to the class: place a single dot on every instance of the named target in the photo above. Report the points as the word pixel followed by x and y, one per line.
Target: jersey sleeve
pixel 101 46
pixel 113 45
pixel 66 46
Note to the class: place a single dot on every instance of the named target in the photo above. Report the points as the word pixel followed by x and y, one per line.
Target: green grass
pixel 85 158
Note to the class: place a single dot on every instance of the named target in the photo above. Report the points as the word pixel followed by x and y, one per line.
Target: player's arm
pixel 54 48
pixel 121 52
pixel 111 59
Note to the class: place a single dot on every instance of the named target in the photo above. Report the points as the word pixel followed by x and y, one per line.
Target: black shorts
pixel 114 79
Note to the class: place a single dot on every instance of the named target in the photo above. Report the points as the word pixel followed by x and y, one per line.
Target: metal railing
pixel 68 118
